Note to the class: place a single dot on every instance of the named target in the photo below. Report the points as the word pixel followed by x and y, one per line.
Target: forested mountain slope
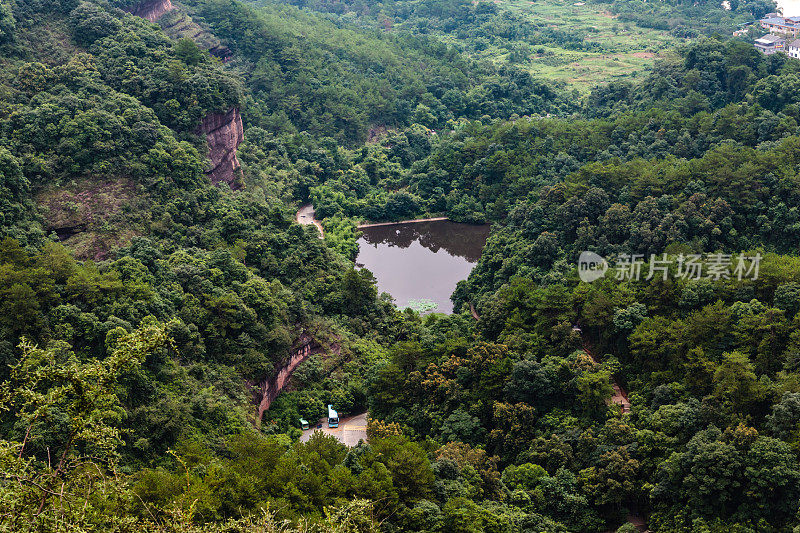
pixel 578 44
pixel 307 73
pixel 140 304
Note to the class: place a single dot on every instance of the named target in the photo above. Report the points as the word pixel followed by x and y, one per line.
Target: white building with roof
pixel 769 44
pixel 793 49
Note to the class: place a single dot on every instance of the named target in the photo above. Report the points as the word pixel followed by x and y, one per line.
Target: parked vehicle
pixel 333 417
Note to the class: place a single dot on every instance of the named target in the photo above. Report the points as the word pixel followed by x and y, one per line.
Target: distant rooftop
pixel 769 38
pixel 782 21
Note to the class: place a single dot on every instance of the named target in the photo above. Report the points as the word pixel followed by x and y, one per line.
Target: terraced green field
pixel 626 50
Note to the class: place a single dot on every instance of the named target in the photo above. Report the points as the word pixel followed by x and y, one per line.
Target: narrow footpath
pixel 620 396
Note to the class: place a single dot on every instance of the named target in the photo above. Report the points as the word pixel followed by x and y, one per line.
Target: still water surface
pixel 421 260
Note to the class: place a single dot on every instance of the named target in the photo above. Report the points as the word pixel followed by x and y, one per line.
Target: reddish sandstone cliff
pixel 271 387
pixel 224 133
pixel 152 10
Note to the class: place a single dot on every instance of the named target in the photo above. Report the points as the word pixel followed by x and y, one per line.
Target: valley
pixel 227 224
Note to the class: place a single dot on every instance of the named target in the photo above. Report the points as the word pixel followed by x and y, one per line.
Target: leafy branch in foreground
pixel 67 408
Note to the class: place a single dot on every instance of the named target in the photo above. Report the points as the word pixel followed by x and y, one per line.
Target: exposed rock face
pixel 80 213
pixel 152 10
pixel 221 52
pixel 178 25
pixel 271 387
pixel 224 133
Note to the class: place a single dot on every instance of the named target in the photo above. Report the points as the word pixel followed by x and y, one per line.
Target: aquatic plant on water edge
pixel 422 305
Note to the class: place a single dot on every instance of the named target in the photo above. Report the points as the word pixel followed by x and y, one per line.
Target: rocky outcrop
pixel 271 387
pixel 152 10
pixel 179 25
pixel 221 52
pixel 65 232
pixel 224 132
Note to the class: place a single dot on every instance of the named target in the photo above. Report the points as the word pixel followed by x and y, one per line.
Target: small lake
pixel 421 260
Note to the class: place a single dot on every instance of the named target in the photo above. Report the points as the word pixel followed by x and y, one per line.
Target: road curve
pixel 351 430
pixel 305 216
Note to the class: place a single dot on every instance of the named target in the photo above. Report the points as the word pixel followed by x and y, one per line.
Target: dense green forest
pixel 142 306
pixel 309 74
pixel 576 44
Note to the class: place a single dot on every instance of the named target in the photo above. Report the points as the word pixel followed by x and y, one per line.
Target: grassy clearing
pixel 585 70
pixel 625 50
pixel 95 210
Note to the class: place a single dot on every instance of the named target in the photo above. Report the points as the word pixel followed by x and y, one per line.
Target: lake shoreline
pixel 421 260
pixel 412 221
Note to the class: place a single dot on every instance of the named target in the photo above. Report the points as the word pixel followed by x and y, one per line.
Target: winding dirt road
pixel 305 216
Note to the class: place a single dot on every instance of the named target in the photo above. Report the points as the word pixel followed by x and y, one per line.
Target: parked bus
pixel 333 417
pixel 303 423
